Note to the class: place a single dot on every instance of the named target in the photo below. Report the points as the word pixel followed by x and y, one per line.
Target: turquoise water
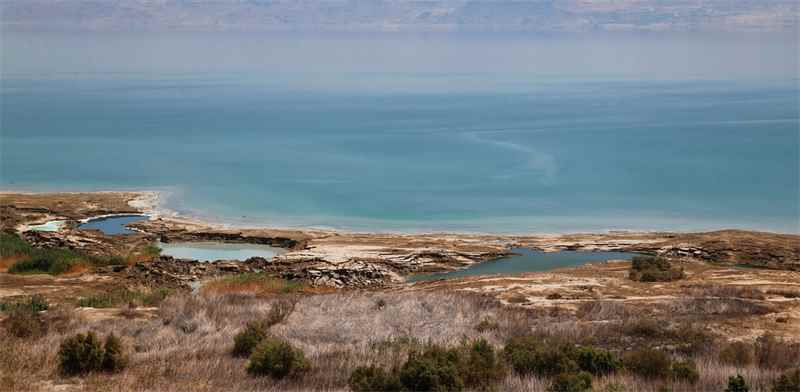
pixel 527 260
pixel 212 251
pixel 49 226
pixel 113 225
pixel 417 152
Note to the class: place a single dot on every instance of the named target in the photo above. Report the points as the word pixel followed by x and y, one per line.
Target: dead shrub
pixel 737 353
pixel 776 353
pixel 25 323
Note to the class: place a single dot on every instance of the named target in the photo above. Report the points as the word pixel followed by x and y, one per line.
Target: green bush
pixel 597 361
pixel 737 353
pixel 572 382
pixel 787 382
pixel 114 359
pixel 83 353
pixel 648 363
pixel 475 366
pixel 12 245
pixel 435 369
pixel 483 367
pixel 737 384
pixel 371 379
pixel 248 339
pixel 654 269
pixel 685 371
pixel 277 359
pixel 527 356
pixel 42 264
pixel 80 354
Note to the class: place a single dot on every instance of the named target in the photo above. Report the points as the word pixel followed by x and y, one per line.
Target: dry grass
pixel 259 285
pixel 187 345
pixel 8 261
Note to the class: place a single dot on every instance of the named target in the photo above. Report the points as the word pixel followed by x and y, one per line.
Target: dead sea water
pixel 481 148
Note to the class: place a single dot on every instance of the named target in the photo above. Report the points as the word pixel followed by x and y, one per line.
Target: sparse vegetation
pixel 254 283
pixel 34 303
pixel 776 353
pixel 654 269
pixel 53 261
pixel 788 381
pixel 373 378
pixel 737 353
pixel 685 371
pixel 115 298
pixel 572 382
pixel 648 363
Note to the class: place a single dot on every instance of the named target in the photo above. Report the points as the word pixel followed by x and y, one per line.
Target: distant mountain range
pixel 400 15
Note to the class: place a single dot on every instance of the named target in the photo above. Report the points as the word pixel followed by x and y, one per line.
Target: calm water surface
pixel 528 260
pixel 418 152
pixel 113 225
pixel 211 251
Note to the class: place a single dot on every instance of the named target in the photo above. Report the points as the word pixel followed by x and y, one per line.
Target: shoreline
pixel 153 203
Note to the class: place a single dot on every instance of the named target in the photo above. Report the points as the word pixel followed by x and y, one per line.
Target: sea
pixel 412 149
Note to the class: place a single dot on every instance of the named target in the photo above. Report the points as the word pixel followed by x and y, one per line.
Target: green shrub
pixel 97 301
pixel 34 303
pixel 114 359
pixel 12 245
pixel 528 356
pixel 83 353
pixel 435 369
pixel 685 371
pixel 737 384
pixel 737 353
pixel 597 361
pixel 787 382
pixel 654 269
pixel 371 379
pixel 571 382
pixel 248 339
pixel 648 363
pixel 475 365
pixel 482 367
pixel 80 354
pixel 277 359
pixel 41 265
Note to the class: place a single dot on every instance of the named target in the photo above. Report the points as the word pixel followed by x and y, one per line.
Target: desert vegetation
pixel 379 341
pixel 654 269
pixel 19 257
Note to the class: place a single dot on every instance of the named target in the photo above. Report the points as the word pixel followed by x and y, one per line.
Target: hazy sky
pixel 655 55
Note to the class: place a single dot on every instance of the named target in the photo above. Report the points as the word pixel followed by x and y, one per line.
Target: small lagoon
pixel 51 226
pixel 212 251
pixel 527 260
pixel 113 225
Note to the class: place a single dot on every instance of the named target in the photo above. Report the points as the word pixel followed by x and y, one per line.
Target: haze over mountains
pixel 400 15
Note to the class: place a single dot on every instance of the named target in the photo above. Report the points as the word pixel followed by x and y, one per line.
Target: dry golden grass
pixel 187 345
pixel 6 262
pixel 260 285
